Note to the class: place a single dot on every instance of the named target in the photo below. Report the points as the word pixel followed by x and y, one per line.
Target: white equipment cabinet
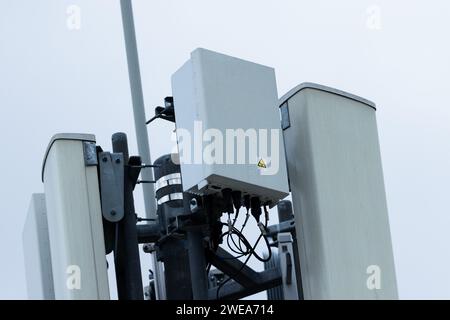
pixel 74 218
pixel 215 94
pixel 337 186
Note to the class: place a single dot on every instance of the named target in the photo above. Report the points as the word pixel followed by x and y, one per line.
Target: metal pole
pixel 138 105
pixel 176 266
pixel 141 127
pixel 197 264
pixel 127 262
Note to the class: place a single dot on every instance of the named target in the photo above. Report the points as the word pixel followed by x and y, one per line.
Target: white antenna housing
pixel 75 218
pixel 36 249
pixel 339 201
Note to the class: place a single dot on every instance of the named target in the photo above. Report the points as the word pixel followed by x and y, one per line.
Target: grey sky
pixel 54 80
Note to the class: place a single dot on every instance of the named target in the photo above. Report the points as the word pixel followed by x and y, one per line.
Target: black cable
pixel 239 235
pixel 247 216
pixel 266 213
pixel 269 249
pixel 230 232
pixel 156 116
pixel 252 252
pixel 145 181
pixel 237 245
pixel 242 238
pixel 245 221
pixel 235 217
pixel 265 239
pixel 230 247
pixel 143 166
pixel 139 219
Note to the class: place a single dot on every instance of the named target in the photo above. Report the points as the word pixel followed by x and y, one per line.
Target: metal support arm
pixel 234 268
pixel 246 280
pixel 148 233
pixel 266 280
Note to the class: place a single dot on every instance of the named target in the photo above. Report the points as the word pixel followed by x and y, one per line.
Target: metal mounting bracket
pixel 285 252
pixel 111 169
pixel 90 153
pixel 285 119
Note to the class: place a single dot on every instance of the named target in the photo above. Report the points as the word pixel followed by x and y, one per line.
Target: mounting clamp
pixel 111 170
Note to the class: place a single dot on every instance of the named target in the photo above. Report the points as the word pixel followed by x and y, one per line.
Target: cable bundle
pixel 243 247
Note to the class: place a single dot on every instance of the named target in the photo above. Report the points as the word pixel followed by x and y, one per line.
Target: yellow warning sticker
pixel 262 164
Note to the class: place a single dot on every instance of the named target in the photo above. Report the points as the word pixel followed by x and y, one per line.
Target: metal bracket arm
pixel 111 170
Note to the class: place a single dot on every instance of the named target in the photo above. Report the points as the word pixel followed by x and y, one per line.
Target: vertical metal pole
pixel 197 264
pixel 286 213
pixel 141 128
pixel 138 104
pixel 127 262
pixel 176 264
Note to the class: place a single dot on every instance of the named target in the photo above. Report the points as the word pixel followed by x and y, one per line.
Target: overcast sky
pixel 395 53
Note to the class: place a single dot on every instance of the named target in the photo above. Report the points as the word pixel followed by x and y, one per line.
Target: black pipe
pixel 197 263
pixel 126 252
pixel 148 233
pixel 176 269
pixel 172 250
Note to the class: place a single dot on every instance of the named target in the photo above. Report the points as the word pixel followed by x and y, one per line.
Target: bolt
pixel 118 161
pixel 148 248
pixel 105 159
pixel 113 212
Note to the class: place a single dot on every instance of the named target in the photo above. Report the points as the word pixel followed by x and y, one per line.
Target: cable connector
pixel 237 199
pixel 266 212
pixel 262 228
pixel 256 208
pixel 228 200
pixel 247 202
pixel 247 216
pixel 167 112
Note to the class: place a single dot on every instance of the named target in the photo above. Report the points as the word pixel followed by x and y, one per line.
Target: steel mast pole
pixel 138 105
pixel 140 125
